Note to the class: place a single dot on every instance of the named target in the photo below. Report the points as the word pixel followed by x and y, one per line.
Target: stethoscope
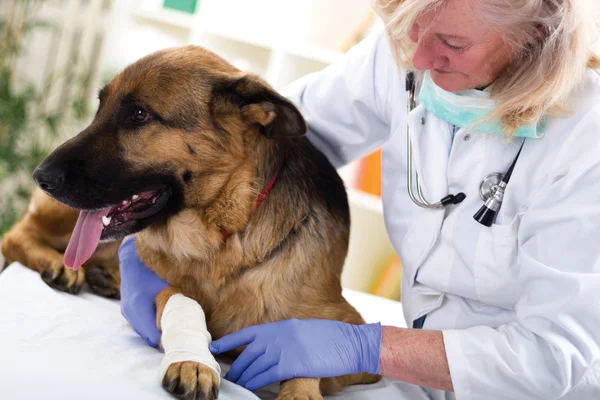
pixel 491 188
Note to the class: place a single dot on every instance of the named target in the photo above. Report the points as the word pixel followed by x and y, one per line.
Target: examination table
pixel 59 346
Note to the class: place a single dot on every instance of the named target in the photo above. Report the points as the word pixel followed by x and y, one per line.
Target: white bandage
pixel 184 334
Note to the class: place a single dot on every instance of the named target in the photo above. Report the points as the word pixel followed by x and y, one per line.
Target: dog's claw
pixel 101 281
pixel 64 279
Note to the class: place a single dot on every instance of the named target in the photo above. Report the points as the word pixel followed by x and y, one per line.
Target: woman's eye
pixel 454 46
pixel 140 115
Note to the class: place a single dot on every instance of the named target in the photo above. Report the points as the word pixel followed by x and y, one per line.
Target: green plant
pixel 28 125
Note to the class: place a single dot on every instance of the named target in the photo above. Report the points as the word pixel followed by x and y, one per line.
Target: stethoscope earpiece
pixel 453 199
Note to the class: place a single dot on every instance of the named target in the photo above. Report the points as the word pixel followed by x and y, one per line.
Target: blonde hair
pixel 551 41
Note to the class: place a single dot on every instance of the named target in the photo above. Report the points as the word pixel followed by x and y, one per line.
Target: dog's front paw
pixel 64 279
pixel 102 281
pixel 190 380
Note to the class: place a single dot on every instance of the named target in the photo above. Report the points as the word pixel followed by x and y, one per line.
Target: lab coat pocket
pixel 496 266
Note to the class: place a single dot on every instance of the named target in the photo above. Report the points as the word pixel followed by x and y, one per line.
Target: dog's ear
pixel 259 105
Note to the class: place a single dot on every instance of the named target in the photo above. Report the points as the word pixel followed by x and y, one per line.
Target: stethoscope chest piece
pixel 491 190
pixel 489 185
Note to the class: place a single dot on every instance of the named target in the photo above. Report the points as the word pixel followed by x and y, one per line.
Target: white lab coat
pixel 519 302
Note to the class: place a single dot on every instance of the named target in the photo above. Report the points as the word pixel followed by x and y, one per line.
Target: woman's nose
pixel 426 57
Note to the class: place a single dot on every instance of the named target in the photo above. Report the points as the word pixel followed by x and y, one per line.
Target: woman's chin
pixel 450 81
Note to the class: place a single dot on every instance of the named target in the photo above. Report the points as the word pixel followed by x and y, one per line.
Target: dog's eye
pixel 140 115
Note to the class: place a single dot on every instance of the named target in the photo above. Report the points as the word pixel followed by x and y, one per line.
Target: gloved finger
pixel 248 356
pixel 127 249
pixel 150 341
pixel 153 342
pixel 233 340
pixel 146 321
pixel 128 239
pixel 271 375
pixel 130 267
pixel 152 336
pixel 135 272
pixel 149 333
pixel 260 365
pixel 141 315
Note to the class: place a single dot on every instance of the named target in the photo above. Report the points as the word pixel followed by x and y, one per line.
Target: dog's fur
pixel 39 239
pixel 215 137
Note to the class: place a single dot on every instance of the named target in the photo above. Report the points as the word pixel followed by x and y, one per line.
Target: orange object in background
pixel 369 174
pixel 388 282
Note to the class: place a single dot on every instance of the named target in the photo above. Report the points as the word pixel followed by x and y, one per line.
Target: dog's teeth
pixel 135 197
pixel 106 221
pixel 125 202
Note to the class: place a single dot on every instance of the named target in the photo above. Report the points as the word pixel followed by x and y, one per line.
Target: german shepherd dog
pixel 230 203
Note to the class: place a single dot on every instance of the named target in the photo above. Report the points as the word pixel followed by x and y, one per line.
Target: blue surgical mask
pixel 466 109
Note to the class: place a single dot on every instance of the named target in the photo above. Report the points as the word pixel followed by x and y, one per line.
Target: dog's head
pixel 168 129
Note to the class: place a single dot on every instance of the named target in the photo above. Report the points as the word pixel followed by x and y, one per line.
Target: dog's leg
pixel 330 386
pixel 102 271
pixel 25 247
pixel 300 389
pixel 189 371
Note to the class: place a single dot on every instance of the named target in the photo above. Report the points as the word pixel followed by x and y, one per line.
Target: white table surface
pixel 60 346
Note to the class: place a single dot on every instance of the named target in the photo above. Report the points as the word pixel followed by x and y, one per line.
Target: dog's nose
pixel 49 180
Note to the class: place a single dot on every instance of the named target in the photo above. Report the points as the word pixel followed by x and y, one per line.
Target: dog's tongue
pixel 85 238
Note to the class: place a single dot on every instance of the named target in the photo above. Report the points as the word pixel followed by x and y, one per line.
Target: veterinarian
pixel 501 288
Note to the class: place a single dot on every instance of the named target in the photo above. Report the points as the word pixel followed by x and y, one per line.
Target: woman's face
pixel 460 51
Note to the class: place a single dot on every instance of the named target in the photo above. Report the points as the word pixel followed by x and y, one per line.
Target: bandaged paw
pixel 185 336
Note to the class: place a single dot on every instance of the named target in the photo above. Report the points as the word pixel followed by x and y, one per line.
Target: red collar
pixel 259 200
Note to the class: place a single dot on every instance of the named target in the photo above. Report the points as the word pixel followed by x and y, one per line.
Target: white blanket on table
pixel 59 346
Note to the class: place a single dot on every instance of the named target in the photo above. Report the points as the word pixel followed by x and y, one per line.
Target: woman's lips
pixel 439 71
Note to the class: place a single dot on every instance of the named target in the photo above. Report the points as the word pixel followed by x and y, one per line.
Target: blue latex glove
pixel 139 287
pixel 310 348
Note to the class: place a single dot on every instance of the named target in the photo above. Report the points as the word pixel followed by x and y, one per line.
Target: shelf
pixel 185 21
pixel 168 17
pixel 249 40
pixel 325 56
pixel 244 56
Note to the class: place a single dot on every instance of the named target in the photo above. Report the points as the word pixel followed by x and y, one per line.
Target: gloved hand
pixel 310 348
pixel 139 287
